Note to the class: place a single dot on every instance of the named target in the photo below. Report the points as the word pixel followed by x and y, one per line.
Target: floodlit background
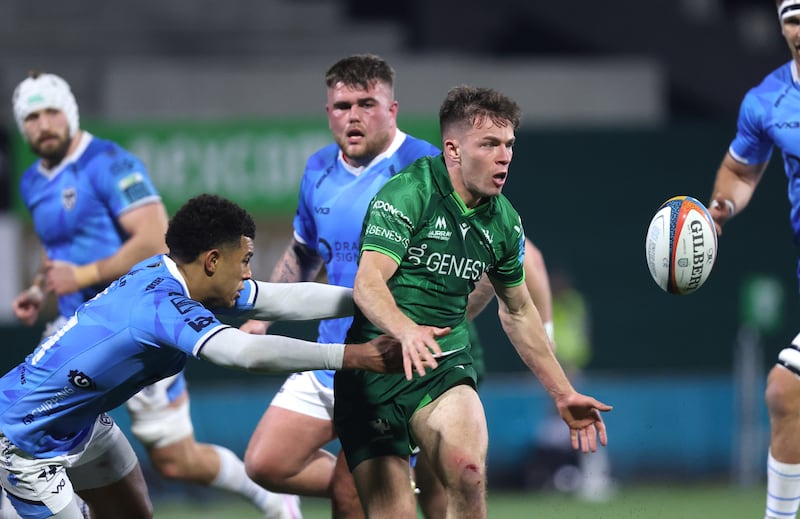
pixel 626 104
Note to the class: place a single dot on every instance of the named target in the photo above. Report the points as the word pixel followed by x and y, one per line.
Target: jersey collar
pixel 399 138
pixel 176 273
pixel 441 178
pixel 86 139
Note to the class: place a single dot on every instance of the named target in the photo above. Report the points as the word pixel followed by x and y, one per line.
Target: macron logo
pixel 464 229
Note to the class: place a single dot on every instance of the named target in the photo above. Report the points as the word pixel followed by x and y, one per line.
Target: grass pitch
pixel 664 501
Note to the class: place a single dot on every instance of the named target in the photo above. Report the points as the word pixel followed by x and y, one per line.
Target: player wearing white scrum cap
pixel 97 213
pixel 47 117
pixel 41 91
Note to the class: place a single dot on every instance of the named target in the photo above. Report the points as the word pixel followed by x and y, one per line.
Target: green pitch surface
pixel 665 501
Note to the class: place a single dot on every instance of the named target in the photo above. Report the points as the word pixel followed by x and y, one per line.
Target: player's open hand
pixel 582 414
pixel 420 349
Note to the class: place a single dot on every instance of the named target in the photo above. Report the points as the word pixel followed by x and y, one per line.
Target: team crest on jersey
pixel 68 198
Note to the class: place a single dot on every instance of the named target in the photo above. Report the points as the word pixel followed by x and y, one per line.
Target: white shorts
pixel 155 421
pixel 103 458
pixel 304 394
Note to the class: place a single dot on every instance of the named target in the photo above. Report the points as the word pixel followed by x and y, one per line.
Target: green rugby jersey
pixel 441 246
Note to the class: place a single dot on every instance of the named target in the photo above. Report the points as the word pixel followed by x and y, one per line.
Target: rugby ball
pixel 681 245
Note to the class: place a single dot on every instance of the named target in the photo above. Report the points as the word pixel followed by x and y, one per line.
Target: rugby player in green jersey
pixel 429 235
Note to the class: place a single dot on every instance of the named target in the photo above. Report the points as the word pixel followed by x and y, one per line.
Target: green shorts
pixel 372 412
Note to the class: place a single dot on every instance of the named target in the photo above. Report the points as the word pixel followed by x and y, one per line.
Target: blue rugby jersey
pixel 770 116
pixel 139 330
pixel 333 200
pixel 75 207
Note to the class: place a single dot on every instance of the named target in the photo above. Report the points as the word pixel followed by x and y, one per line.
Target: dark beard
pixel 54 156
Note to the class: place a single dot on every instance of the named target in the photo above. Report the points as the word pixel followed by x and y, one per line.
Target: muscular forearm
pixel 736 183
pixel 526 333
pixel 130 253
pixel 145 226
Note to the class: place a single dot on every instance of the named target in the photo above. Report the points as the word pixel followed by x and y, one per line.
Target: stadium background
pixel 619 115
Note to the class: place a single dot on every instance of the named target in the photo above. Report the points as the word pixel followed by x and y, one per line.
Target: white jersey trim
pixel 399 139
pixel 173 269
pixel 83 143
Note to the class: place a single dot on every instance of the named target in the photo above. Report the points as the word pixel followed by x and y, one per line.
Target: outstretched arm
pixel 299 262
pixel 233 348
pixel 523 326
pixel 302 301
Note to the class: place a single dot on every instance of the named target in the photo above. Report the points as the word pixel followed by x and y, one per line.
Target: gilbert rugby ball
pixel 681 245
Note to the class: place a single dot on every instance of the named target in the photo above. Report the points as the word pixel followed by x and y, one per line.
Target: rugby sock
pixel 783 489
pixel 233 478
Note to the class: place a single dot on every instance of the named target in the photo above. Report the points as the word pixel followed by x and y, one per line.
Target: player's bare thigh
pixel 286 438
pixel 452 430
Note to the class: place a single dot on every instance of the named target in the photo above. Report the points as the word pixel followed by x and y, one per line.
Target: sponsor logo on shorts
pixel 60 486
pixel 49 472
pixel 381 427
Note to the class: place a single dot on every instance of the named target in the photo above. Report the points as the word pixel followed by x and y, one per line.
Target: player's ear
pixel 452 150
pixel 210 261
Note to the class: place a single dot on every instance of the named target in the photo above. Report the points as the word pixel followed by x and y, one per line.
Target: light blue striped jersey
pixel 140 329
pixel 75 207
pixel 770 116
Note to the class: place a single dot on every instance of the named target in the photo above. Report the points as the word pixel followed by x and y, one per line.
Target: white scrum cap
pixel 42 91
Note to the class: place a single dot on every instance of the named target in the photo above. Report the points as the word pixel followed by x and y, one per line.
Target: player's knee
pixel 468 475
pixel 262 471
pixel 783 392
pixel 253 469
